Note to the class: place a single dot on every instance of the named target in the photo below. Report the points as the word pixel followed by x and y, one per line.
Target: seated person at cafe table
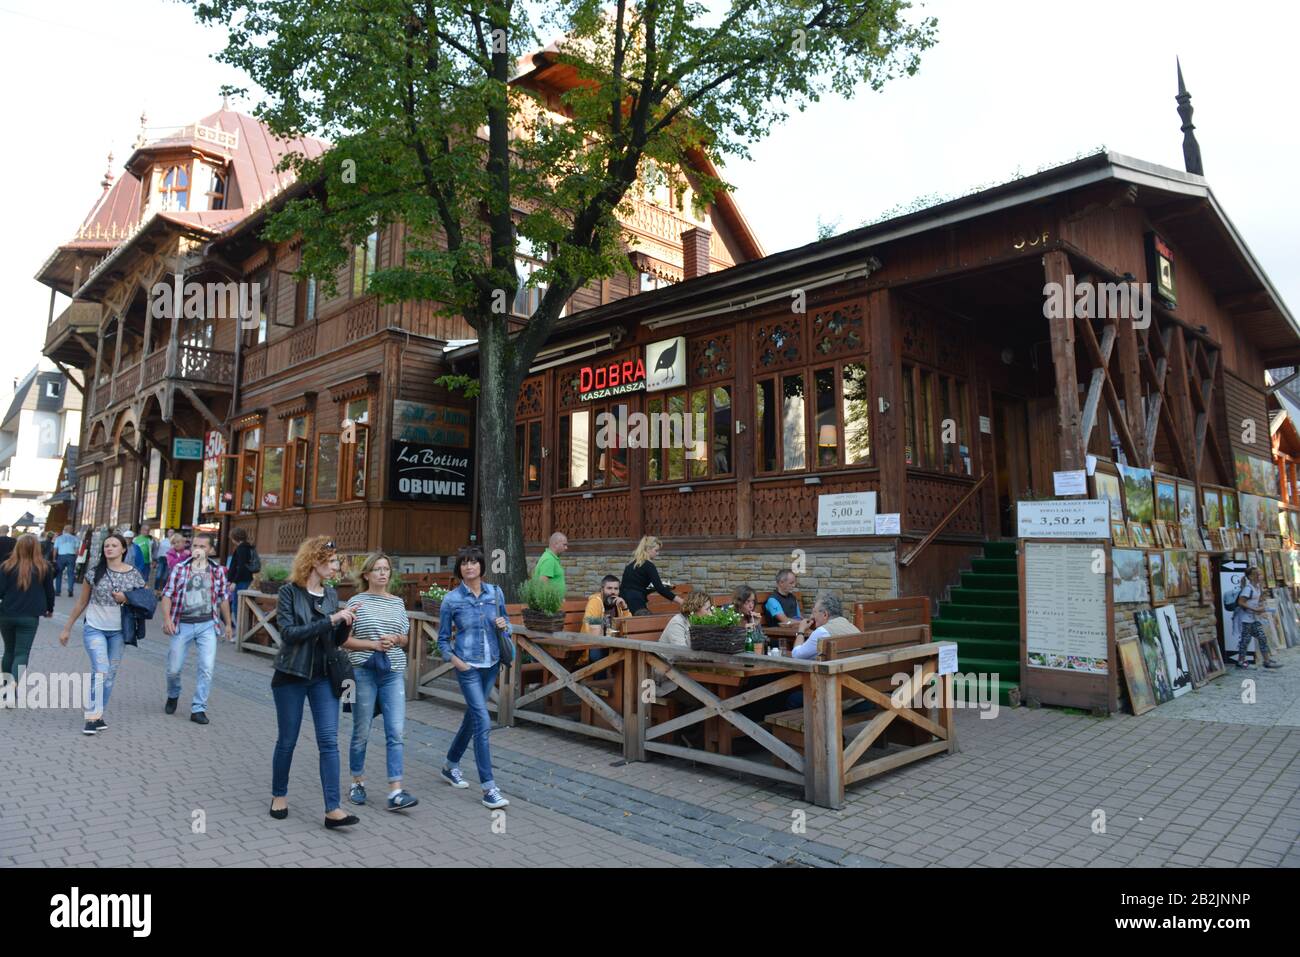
pixel 640 577
pixel 782 607
pixel 745 601
pixel 601 607
pixel 828 621
pixel 678 629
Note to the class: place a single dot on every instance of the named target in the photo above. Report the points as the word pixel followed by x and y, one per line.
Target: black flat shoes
pixel 348 821
pixel 281 814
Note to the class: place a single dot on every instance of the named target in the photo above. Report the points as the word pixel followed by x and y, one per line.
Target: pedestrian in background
pixel 6 543
pixel 66 547
pixel 102 598
pixel 26 594
pixel 194 610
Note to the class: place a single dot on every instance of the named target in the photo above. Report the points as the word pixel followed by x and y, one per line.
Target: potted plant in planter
pixel 272 577
pixel 721 630
pixel 431 600
pixel 543 605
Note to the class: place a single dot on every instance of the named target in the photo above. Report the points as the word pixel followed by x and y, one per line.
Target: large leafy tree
pixel 429 131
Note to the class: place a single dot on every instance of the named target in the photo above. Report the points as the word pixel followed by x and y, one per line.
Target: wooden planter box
pixel 541 621
pixel 722 641
pixel 431 608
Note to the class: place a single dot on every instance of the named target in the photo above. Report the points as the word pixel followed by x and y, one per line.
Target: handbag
pixel 505 648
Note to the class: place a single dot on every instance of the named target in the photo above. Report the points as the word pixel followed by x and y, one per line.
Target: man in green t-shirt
pixel 145 541
pixel 548 566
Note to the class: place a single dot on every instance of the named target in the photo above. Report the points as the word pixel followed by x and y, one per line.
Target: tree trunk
pixel 503 528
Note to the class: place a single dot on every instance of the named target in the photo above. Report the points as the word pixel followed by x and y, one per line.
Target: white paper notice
pixel 890 523
pixel 1065 608
pixel 1074 482
pixel 1063 518
pixel 849 513
pixel 986 426
pixel 947 659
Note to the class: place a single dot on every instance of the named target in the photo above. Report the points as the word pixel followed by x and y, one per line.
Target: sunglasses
pixel 330 544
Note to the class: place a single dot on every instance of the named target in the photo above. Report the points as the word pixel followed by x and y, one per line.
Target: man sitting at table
pixel 782 607
pixel 678 629
pixel 828 620
pixel 605 604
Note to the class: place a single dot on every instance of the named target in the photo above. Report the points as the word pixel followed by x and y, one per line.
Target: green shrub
pixel 724 617
pixel 395 584
pixel 543 596
pixel 275 573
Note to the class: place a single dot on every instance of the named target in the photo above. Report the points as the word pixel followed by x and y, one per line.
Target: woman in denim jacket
pixel 476 612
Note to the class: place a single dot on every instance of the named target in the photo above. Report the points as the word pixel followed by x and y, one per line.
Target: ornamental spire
pixel 1191 149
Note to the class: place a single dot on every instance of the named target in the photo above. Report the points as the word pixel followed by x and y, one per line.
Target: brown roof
pixel 239 141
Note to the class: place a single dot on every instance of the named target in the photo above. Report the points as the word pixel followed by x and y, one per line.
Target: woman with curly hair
pixel 312 627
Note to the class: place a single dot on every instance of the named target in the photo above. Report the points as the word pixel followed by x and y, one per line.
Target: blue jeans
pixel 160 573
pixel 325 716
pixel 105 651
pixel 390 689
pixel 475 685
pixel 64 564
pixel 203 634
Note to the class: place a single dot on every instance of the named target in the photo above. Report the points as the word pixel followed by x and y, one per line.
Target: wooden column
pixel 1056 267
pixel 1131 375
pixel 744 409
pixel 886 383
pixel 117 356
pixel 551 403
pixel 94 382
pixel 148 342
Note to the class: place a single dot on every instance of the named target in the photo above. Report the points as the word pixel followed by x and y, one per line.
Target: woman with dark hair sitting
pixel 312 626
pixel 472 624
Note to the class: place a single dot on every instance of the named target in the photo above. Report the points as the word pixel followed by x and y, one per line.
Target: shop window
pixel 296 455
pixel 364 257
pixel 326 468
pixel 710 445
pixel 528 456
pixel 272 487
pixel 115 495
pixel 89 500
pixel 936 417
pixel 826 429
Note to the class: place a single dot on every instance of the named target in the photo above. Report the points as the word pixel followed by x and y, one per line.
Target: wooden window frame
pixel 522 450
pixel 261 476
pixel 316 472
pixel 299 451
pixel 89 500
pixel 812 463
pixel 958 390
pixel 368 251
pixel 685 394
pixel 347 465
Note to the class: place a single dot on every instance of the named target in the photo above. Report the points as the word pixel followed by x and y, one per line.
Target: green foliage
pixel 396 583
pixel 277 574
pixel 435 592
pixel 724 617
pixel 467 385
pixel 543 596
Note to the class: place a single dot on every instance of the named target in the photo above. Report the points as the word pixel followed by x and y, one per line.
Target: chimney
pixel 695 251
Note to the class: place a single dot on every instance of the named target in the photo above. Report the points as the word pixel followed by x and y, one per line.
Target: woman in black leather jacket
pixel 312 626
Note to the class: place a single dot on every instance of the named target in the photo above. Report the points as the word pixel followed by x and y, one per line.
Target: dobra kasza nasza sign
pixel 429 473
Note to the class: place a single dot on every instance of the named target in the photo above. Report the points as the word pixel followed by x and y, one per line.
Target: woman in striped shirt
pixel 377 649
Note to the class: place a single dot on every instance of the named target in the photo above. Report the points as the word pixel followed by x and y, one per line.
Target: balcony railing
pixel 80 317
pixel 192 364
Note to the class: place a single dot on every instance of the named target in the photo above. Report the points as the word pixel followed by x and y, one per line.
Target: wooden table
pixel 726 683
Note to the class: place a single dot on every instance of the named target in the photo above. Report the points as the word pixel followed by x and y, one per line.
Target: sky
pixel 1011 86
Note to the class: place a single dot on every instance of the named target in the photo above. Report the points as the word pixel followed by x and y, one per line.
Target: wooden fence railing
pixel 618 699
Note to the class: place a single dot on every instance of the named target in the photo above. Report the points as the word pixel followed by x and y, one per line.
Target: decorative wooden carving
pixel 361 320
pixel 704 513
pixel 350 527
pixel 780 343
pixel 255 366
pixel 532 516
pixel 599 518
pixel 302 344
pixel 290 530
pixel 566 383
pixel 709 358
pixel 529 404
pixel 782 509
pixel 839 330
pixel 929 499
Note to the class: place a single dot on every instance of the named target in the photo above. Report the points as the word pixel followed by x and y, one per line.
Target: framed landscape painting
pixel 1129 575
pixel 1206 576
pixel 1153 655
pixel 1106 487
pixel 1139 498
pixel 1141 695
pixel 1210 505
pixel 1166 500
pixel 1186 504
pixel 1156 567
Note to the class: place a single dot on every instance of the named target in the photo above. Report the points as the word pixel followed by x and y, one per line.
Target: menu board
pixel 1065 608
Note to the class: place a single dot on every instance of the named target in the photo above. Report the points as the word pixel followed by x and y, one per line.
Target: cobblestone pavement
pixel 1205 780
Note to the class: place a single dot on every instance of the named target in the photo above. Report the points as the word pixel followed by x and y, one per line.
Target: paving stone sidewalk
pixel 1204 780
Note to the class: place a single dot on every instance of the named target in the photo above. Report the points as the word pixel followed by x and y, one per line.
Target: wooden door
pixel 1011 457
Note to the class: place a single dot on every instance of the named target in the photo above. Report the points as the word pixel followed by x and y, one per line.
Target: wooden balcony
pixel 207 369
pixel 70 338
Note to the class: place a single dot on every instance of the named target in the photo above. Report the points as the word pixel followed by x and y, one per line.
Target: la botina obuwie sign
pixel 430 473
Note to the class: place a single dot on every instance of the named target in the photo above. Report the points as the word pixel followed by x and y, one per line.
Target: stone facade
pixel 1204 618
pixel 859 575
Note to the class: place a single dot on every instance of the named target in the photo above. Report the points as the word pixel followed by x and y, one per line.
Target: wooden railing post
pixel 824 755
pixel 635 673
pixel 241 620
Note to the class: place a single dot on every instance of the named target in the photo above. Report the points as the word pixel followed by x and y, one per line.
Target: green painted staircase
pixel 982 615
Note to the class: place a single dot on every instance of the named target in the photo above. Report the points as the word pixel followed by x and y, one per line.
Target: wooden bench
pixel 788 726
pixel 891 613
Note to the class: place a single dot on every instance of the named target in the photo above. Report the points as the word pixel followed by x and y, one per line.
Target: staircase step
pixel 987 649
pixel 1008 670
pixel 979 612
pixel 1008 583
pixel 957 628
pixel 965 595
pixel 994 566
pixel 1005 549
